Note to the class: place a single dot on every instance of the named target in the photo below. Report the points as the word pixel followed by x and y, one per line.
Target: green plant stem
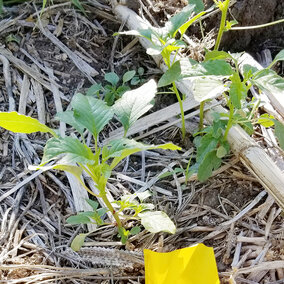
pixel 111 209
pixel 104 197
pixel 258 26
pixel 230 121
pixel 96 144
pixel 201 115
pixel 224 11
pixel 163 93
pixel 255 107
pixel 201 29
pixel 181 110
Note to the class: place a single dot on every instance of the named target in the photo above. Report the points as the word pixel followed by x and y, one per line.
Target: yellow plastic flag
pixel 192 265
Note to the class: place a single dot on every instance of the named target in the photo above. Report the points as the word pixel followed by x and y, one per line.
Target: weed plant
pixel 71 154
pixel 114 89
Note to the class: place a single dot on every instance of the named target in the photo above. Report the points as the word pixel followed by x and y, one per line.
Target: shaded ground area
pixel 230 212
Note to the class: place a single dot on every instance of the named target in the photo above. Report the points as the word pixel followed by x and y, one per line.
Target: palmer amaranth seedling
pixel 71 154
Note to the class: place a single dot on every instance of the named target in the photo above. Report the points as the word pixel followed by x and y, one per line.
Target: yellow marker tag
pixel 193 265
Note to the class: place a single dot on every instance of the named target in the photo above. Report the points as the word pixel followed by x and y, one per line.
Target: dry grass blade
pixel 43 80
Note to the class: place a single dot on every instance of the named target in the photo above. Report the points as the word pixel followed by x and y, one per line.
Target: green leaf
pixel 128 76
pixel 135 81
pixel 268 80
pixel 92 113
pixel 115 148
pixel 171 75
pixel 175 22
pixel 133 104
pixel 146 206
pixel 78 241
pixel 266 120
pixel 216 54
pixel 208 88
pixel 238 91
pixel 143 195
pixel 121 90
pixel 241 119
pixel 121 148
pixel 230 24
pixel 94 90
pixel 185 26
pixel 157 221
pixel 78 4
pixel 78 219
pixel 208 164
pixel 19 123
pixel 112 78
pixel 221 152
pixel 279 132
pixel 68 117
pixel 248 127
pixel 123 233
pixel 141 71
pixel 93 204
pixel 188 68
pixel 70 150
pixel 248 71
pixel 199 5
pixel 135 230
pixel 207 144
pixel 216 67
pixel 75 170
pixel 278 57
pixel 172 46
pixel 102 211
pixel 109 96
pixel 154 50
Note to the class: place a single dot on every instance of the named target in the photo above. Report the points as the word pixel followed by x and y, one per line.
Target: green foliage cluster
pixel 112 91
pixel 218 74
pixel 73 155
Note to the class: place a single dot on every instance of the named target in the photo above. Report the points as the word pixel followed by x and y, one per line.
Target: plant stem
pixel 224 11
pixel 258 26
pixel 96 143
pixel 201 115
pixel 201 29
pixel 104 197
pixel 230 121
pixel 111 209
pixel 159 93
pixel 181 110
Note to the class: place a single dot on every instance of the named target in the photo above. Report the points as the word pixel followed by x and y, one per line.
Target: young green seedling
pixel 113 90
pixel 71 154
